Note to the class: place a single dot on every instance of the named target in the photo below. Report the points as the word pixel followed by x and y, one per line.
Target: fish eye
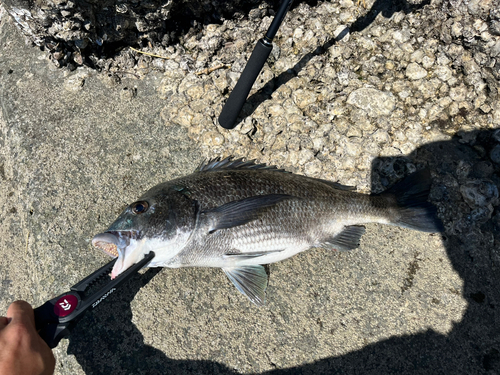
pixel 140 207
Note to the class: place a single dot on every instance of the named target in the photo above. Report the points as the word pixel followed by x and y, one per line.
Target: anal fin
pixel 250 281
pixel 348 239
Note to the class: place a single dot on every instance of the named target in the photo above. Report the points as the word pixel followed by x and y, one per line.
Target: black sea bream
pixel 238 215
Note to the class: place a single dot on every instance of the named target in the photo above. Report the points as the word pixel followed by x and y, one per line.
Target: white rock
pixel 459 93
pixel 495 50
pixel 313 168
pixel 213 138
pixel 428 62
pixel 496 116
pixel 375 102
pixel 415 71
pixel 401 36
pixel 303 98
pixel 417 56
pixel 381 136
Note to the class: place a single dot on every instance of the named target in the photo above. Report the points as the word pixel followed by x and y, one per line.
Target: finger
pixel 4 321
pixel 21 312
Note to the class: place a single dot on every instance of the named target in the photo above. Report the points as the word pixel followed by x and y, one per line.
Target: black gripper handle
pixel 239 95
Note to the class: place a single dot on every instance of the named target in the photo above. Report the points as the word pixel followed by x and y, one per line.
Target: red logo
pixel 65 305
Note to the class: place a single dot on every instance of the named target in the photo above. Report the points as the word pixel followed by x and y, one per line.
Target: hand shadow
pixel 386 7
pixel 472 239
pixel 106 341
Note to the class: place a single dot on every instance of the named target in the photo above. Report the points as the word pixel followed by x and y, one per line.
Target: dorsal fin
pixel 228 164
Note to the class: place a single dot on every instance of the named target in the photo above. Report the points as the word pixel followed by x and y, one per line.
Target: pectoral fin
pixel 348 239
pixel 242 211
pixel 249 280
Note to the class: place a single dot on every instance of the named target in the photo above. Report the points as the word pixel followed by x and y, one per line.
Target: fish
pixel 240 215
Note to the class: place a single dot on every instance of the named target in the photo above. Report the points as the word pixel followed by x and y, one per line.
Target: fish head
pixel 158 223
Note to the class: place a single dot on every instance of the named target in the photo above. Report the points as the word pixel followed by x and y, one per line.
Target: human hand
pixel 22 350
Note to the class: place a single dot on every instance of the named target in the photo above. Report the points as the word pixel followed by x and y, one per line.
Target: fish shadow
pixel 107 342
pixel 385 7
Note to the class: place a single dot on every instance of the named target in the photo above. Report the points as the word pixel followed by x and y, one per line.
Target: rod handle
pixel 238 96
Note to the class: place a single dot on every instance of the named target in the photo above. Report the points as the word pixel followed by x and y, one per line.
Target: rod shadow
pixel 107 342
pixel 386 7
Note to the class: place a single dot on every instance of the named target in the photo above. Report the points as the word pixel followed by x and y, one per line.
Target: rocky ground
pixel 330 98
pixel 355 95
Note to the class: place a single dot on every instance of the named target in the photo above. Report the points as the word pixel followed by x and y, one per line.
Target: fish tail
pixel 414 211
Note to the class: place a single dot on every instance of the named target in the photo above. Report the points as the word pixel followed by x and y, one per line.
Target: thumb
pixel 21 312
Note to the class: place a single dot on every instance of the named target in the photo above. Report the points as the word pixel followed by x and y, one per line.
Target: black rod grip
pixel 239 95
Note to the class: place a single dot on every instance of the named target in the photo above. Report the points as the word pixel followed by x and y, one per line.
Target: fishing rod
pixel 254 65
pixel 57 317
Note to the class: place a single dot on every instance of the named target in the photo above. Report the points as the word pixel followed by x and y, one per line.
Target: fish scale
pixel 238 215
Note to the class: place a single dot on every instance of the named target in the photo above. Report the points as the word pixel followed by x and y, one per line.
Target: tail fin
pixel 414 211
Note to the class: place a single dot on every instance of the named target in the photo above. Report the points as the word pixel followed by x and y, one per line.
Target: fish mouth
pixel 112 241
pixel 116 244
pixel 107 243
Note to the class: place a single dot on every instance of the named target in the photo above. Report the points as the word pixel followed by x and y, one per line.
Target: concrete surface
pixel 76 147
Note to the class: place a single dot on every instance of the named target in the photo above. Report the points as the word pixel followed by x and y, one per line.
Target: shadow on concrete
pixel 107 342
pixel 386 7
pixel 472 240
